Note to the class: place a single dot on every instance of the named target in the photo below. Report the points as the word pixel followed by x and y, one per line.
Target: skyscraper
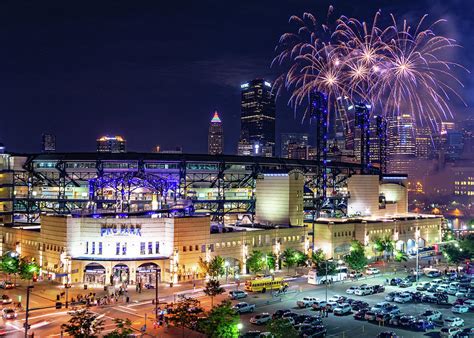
pixel 111 144
pixel 423 142
pixel 292 141
pixel 215 137
pixel 401 131
pixel 48 143
pixel 257 121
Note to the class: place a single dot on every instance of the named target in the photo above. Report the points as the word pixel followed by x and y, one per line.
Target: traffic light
pixel 59 305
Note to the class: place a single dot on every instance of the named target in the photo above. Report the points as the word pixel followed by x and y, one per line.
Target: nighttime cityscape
pixel 255 169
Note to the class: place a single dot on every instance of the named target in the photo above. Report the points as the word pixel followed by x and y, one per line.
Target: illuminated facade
pixel 216 136
pixel 423 142
pixel 111 144
pixel 258 116
pixel 293 142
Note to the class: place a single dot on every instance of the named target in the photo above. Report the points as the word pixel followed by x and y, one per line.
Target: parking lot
pixel 345 326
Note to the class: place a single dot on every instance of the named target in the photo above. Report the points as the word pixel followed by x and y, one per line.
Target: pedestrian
pixel 327 313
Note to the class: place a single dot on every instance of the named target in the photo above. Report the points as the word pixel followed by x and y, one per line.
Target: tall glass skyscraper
pixel 257 120
pixel 216 136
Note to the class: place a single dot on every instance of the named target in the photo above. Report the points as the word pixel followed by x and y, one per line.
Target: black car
pixel 417 295
pixel 360 315
pixel 301 318
pixel 280 313
pixel 395 281
pixel 314 320
pixel 441 298
pixel 251 334
pixel 359 305
pixel 387 334
pixel 429 299
pixel 378 288
pixel 410 278
pixel 316 331
pixel 407 320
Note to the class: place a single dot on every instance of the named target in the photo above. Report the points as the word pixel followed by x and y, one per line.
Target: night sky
pixel 155 71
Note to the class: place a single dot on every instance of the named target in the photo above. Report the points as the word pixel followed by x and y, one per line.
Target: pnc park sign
pixel 121 230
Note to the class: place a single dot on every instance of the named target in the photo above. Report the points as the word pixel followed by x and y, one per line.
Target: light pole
pixel 28 288
pixel 417 258
pixel 326 262
pixel 156 292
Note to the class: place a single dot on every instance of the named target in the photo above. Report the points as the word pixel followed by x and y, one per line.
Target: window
pixel 124 249
pixel 100 248
pixel 150 248
pixel 203 248
pixel 117 248
pixel 196 247
pixel 157 247
pixel 93 248
pixel 87 248
pixel 142 248
pixel 211 247
pixel 190 248
pixel 184 248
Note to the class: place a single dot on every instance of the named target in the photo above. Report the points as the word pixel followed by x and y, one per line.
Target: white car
pixel 442 288
pixel 319 304
pixel 460 308
pixel 334 298
pixel 9 314
pixel 380 306
pixel 372 271
pixel 261 318
pixel 403 298
pixel 363 291
pixel 244 307
pixel 342 309
pixel 454 321
pixel 237 294
pixel 306 302
pixel 469 303
pixel 351 290
pixel 450 331
pixel 431 315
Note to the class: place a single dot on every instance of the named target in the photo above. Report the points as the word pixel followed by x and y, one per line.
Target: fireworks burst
pixel 394 69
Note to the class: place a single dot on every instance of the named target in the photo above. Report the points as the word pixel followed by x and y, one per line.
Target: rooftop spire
pixel 216 118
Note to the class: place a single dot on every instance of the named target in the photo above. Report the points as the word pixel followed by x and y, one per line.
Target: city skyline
pixel 108 104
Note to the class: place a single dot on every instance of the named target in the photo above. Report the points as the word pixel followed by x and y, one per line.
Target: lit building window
pixel 157 247
pixel 93 248
pixel 117 248
pixel 100 248
pixel 142 248
pixel 124 249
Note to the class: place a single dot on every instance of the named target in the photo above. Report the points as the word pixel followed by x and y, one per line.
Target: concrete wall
pixel 364 195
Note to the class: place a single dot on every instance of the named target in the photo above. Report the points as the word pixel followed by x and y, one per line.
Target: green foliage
pixel 28 269
pixel 460 251
pixel 321 264
pixel 10 262
pixel 318 256
pixel 301 258
pixel 281 328
pixel 259 261
pixel 215 268
pixel 123 330
pixel 400 256
pixel 83 324
pixel 185 313
pixel 356 259
pixel 222 322
pixel 384 245
pixel 288 258
pixel 212 289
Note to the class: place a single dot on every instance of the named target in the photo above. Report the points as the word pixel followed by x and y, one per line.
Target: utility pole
pixel 156 294
pixel 326 262
pixel 26 325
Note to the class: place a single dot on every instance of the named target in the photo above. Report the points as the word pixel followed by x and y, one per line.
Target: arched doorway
pixel 120 274
pixel 146 275
pixel 400 246
pixel 94 273
pixel 421 242
pixel 411 246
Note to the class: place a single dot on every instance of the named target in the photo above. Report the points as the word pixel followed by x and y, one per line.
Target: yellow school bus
pixel 263 284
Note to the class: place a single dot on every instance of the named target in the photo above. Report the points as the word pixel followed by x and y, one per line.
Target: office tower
pixel 258 118
pixel 362 134
pixel 48 143
pixel 378 142
pixel 454 145
pixel 293 141
pixel 215 137
pixel 401 131
pixel 423 142
pixel 446 127
pixel 111 144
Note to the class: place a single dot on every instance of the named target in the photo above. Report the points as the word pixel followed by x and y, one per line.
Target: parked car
pixel 237 294
pixel 392 309
pixel 450 331
pixel 355 274
pixel 422 286
pixel 468 332
pixel 351 290
pixel 460 308
pixel 279 313
pixel 370 315
pixel 319 304
pixel 6 284
pixel 454 321
pixel 244 307
pixel 469 303
pixel 442 288
pixel 395 319
pixel 395 281
pixel 334 298
pixel 389 297
pixel 330 306
pixel 359 305
pixel 407 320
pixel 382 317
pixel 432 288
pixel 6 300
pixel 387 334
pixel 433 273
pixel 403 298
pixel 363 291
pixel 261 318
pixel 378 288
pixel 301 318
pixel 431 315
pixel 422 325
pixel 9 313
pixel 429 299
pixel 379 306
pixel 405 283
pixel 360 315
pixel 317 331
pixel 306 302
pixel 372 271
pixel 342 309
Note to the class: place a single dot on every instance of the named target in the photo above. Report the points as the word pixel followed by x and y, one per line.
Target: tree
pixel 222 321
pixel 10 263
pixel 288 258
pixel 318 256
pixel 356 259
pixel 400 256
pixel 213 288
pixel 83 324
pixel 259 261
pixel 123 330
pixel 301 258
pixel 281 328
pixel 185 313
pixel 28 269
pixel 384 245
pixel 217 267
pixel 323 266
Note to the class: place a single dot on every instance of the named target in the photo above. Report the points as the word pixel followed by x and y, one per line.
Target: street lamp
pixel 417 258
pixel 226 265
pixel 240 326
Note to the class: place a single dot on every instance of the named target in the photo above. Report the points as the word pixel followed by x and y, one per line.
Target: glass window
pixel 87 248
pixel 124 248
pixel 196 247
pixel 142 248
pixel 117 248
pixel 150 248
pixel 157 247
pixel 93 248
pixel 184 248
pixel 100 248
pixel 190 248
pixel 203 248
